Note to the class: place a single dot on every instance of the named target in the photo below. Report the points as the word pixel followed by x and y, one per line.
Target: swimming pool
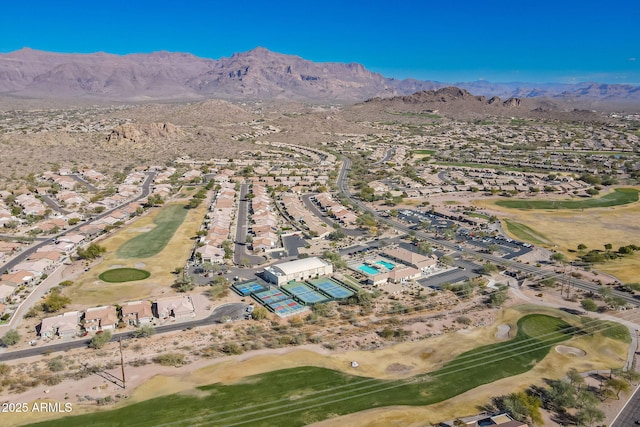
pixel 368 269
pixel 386 264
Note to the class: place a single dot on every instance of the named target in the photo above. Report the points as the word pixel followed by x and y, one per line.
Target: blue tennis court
pixel 271 296
pixel 248 288
pixel 304 293
pixel 286 307
pixel 331 288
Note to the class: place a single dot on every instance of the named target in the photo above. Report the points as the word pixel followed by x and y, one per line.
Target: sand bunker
pixel 503 332
pixel 563 349
pixel 140 265
pixel 116 266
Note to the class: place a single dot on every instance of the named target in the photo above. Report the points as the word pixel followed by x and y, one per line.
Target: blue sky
pixel 501 41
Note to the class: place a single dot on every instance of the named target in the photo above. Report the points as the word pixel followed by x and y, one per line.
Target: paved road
pixel 84 182
pixel 630 414
pixel 540 272
pixel 53 204
pixel 388 155
pixel 444 177
pixel 234 311
pixel 240 252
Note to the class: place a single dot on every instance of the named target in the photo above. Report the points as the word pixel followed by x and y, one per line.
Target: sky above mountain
pixel 565 41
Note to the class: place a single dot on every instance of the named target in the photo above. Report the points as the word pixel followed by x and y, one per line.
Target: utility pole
pixel 124 385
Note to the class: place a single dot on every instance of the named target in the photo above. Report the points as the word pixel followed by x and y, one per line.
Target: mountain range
pixel 256 74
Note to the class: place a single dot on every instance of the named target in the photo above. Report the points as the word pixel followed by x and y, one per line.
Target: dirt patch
pixel 563 349
pixel 399 368
pixel 503 332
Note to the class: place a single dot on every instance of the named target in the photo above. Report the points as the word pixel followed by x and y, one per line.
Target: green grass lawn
pixel 152 242
pixel 620 196
pixel 525 233
pixel 612 330
pixel 119 275
pixel 300 396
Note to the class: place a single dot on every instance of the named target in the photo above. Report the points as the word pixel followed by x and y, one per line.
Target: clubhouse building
pixel 297 270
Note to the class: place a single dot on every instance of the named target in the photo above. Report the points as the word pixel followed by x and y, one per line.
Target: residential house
pixel 64 325
pixel 36 267
pixel 211 254
pixel 18 278
pixel 104 318
pixel 137 313
pixel 52 256
pixel 178 307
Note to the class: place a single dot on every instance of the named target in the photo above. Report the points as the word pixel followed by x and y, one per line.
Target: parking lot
pixel 508 248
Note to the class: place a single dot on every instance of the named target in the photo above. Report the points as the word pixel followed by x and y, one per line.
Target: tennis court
pixel 286 307
pixel 248 288
pixel 304 293
pixel 332 288
pixel 271 296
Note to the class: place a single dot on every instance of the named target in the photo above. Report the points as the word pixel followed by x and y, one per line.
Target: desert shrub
pixel 56 365
pixel 170 359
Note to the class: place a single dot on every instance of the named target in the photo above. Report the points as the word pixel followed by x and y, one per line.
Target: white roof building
pixel 298 270
pixel 64 325
pixel 176 307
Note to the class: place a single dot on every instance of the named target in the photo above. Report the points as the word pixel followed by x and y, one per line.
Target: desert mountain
pixel 256 74
pixel 458 103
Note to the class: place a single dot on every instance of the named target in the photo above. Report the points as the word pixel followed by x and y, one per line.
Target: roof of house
pixel 38 266
pixel 71 238
pixel 66 321
pixel 178 304
pixel 142 308
pixel 51 255
pixel 17 277
pixel 209 251
pixel 105 314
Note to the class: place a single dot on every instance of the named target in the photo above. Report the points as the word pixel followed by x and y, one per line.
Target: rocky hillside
pixel 457 103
